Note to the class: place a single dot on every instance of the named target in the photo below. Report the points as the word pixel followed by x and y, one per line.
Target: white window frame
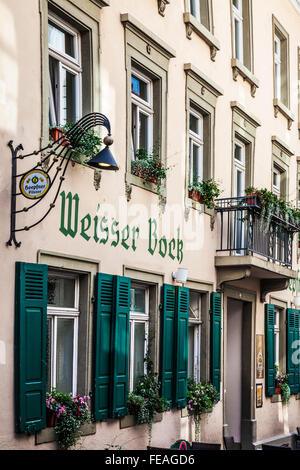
pixel 237 28
pixel 133 319
pixel 144 107
pixel 196 140
pixel 239 165
pixel 195 9
pixel 53 313
pixel 276 188
pixel 277 62
pixel 72 65
pixel 196 324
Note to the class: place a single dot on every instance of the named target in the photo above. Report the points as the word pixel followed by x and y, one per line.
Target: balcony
pixel 250 246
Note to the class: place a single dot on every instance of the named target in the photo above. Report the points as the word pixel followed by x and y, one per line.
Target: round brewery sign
pixel 35 184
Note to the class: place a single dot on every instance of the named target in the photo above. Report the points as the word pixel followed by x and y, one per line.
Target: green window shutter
pixel 292 331
pixel 270 349
pixel 111 342
pixel 102 356
pixel 181 348
pixel 120 346
pixel 167 343
pixel 215 339
pixel 30 346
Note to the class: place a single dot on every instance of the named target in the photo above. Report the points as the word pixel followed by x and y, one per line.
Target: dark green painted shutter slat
pixel 292 330
pixel 270 349
pixel 167 342
pixel 215 339
pixel 103 332
pixel 181 341
pixel 30 346
pixel 120 348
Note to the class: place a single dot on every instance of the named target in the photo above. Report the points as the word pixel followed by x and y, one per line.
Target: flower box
pixel 195 195
pixel 57 135
pixel 251 199
pixel 50 418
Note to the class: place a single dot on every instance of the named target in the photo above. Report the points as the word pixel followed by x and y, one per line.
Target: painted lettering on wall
pixel 109 233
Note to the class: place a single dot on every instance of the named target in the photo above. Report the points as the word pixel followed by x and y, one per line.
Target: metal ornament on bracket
pixel 60 151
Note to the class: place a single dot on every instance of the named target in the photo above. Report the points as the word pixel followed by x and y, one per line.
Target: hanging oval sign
pixel 35 184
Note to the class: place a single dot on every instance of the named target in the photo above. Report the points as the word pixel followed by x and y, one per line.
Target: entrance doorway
pixel 238 371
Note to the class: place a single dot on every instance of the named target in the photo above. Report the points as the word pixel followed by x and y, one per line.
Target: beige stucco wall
pixel 20 120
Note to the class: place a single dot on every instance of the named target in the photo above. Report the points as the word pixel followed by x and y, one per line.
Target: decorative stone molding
pixel 162 6
pixel 192 25
pixel 239 69
pixel 279 107
pixel 97 179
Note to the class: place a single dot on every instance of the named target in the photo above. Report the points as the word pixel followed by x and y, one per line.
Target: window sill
pixel 192 25
pixel 239 69
pixel 202 208
pixel 130 420
pixel 276 399
pixel 279 107
pixel 48 434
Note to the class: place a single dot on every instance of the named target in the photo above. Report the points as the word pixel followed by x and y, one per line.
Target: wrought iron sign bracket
pixel 35 183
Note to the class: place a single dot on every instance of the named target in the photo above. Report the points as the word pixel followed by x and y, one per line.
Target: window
pixel 276 187
pixel 64 73
pixel 237 13
pixel 239 168
pixel 277 335
pixel 141 113
pixel 200 9
pixel 281 65
pixel 195 320
pixel 138 336
pixel 195 146
pixel 62 327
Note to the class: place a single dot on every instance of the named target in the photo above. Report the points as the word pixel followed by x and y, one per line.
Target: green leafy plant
pixel 70 412
pixel 207 190
pixel 272 205
pixel 201 397
pixel 282 381
pixel 149 167
pixel 145 402
pixel 87 147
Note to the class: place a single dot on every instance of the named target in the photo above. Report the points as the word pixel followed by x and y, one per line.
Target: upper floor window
pixel 65 73
pixel 195 321
pixel 281 63
pixel 200 9
pixel 238 41
pixel 239 168
pixel 195 146
pixel 141 112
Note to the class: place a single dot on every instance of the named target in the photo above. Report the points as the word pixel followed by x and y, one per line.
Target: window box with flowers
pixel 150 168
pixel 67 414
pixel 201 398
pixel 204 192
pixel 282 385
pixel 87 147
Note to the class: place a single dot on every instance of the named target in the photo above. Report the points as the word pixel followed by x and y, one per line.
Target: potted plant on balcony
pixel 205 192
pixel 88 145
pixel 282 385
pixel 201 398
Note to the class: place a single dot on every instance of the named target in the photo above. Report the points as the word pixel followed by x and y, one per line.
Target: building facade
pixel 209 93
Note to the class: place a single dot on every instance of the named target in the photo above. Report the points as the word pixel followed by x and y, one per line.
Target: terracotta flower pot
pixel 50 418
pixel 251 199
pixel 56 134
pixel 193 194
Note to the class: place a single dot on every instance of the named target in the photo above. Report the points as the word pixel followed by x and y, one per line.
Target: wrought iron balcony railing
pixel 245 230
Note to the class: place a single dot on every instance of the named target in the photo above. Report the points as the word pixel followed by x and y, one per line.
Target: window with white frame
pixel 276 182
pixel 201 10
pixel 277 335
pixel 65 73
pixel 239 168
pixel 194 343
pixel 238 33
pixel 277 66
pixel 62 335
pixel 139 330
pixel 141 113
pixel 196 144
pixel 194 8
